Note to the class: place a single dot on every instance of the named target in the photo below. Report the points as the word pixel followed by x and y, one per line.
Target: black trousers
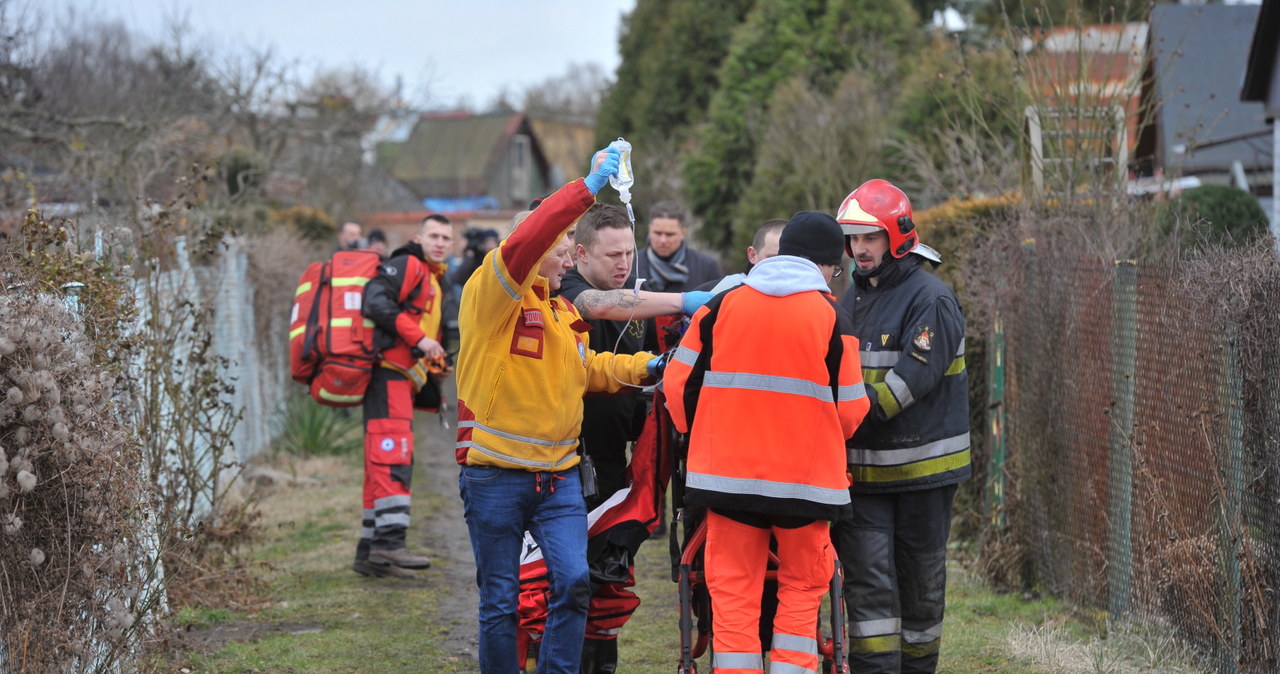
pixel 894 555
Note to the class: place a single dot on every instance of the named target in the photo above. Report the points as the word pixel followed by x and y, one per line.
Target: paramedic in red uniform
pixel 768 384
pixel 404 302
pixel 523 368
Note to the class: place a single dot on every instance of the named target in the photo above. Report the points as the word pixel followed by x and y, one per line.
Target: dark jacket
pixel 405 303
pixel 911 329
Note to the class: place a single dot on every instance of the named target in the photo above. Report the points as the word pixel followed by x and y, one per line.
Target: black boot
pixel 599 656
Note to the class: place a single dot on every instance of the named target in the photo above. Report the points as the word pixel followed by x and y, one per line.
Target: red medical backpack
pixel 330 343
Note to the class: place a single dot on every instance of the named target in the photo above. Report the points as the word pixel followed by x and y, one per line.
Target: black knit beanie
pixel 814 236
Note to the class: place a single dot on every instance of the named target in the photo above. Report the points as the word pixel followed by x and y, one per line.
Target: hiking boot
pixel 400 557
pixel 367 568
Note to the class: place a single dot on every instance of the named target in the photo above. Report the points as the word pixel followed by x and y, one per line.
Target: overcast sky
pixel 465 50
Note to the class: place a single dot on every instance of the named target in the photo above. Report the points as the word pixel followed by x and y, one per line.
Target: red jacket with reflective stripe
pixel 768 384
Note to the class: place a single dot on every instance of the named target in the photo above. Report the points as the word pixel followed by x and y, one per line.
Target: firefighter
pixel 913 449
pixel 779 352
pixel 404 302
pixel 523 368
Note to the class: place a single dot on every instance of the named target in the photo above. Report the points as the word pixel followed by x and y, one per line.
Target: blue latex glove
pixel 656 366
pixel 693 300
pixel 602 168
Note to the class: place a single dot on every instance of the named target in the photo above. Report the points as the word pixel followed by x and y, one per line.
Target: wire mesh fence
pixel 1132 459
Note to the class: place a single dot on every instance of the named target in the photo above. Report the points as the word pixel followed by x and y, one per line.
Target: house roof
pixel 1199 54
pixel 1263 53
pixel 453 154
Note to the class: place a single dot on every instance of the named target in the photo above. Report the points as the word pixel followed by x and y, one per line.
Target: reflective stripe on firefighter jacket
pixel 523 365
pixel 912 330
pixel 404 302
pixel 766 381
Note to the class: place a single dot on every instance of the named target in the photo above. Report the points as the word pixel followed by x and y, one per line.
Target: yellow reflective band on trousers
pixel 885 644
pixel 922 650
pixel 909 471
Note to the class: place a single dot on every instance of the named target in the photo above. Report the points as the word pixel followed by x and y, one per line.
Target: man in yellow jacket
pixel 523 368
pixel 768 384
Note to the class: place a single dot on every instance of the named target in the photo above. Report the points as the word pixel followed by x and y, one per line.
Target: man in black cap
pixel 782 475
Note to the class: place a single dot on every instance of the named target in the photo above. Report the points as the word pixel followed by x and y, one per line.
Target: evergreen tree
pixel 671 51
pixel 814 40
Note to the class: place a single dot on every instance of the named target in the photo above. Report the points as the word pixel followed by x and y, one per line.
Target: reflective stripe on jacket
pixel 912 330
pixel 766 381
pixel 523 365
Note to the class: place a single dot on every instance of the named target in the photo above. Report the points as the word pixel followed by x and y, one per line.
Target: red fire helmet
pixel 878 205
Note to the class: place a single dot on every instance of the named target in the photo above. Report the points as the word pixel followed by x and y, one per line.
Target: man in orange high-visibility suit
pixel 768 384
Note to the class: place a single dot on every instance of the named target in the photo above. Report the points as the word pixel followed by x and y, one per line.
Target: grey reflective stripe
pixel 393 519
pixel 875 628
pixel 738 660
pixel 932 634
pixel 886 359
pixel 879 358
pixel 788 668
pixel 611 632
pixel 391 502
pixel 792 642
pixel 518 438
pixel 764 382
pixel 765 488
pixel 368 513
pixel 900 389
pixel 846 393
pixel 502 279
pixel 366 532
pixel 544 465
pixel 685 355
pixel 895 457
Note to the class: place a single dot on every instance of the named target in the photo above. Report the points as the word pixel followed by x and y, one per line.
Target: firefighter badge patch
pixel 923 340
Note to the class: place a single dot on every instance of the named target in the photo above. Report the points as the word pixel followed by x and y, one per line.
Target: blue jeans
pixel 500 505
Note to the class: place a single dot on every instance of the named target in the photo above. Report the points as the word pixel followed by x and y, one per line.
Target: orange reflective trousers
pixel 736 558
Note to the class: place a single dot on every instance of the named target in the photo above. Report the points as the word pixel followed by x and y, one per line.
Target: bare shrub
pixel 73 585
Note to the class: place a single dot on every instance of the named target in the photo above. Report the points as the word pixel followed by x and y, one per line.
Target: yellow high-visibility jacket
pixel 523 365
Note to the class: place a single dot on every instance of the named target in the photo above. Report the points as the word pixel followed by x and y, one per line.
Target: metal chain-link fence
pixel 1131 462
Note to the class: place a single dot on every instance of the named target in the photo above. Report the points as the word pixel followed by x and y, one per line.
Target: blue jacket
pixel 911 333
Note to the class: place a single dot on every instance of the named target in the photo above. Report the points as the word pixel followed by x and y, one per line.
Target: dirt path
pixel 444 534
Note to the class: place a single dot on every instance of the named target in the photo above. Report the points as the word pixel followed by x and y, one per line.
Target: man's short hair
pixel 769 227
pixel 667 209
pixel 436 217
pixel 598 217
